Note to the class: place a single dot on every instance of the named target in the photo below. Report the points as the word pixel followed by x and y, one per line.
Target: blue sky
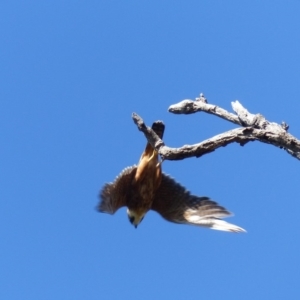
pixel 71 74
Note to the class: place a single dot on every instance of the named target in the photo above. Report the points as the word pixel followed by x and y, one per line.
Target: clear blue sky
pixel 71 74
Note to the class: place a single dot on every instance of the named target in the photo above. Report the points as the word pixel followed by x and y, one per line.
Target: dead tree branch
pixel 253 128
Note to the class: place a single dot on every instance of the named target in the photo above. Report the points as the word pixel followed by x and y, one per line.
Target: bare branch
pixel 150 135
pixel 254 128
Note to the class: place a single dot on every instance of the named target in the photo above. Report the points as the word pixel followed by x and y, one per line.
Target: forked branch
pixel 253 128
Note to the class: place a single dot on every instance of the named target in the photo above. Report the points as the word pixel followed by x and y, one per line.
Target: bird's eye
pixel 131 219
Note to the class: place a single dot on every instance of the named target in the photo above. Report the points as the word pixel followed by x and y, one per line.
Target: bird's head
pixel 135 218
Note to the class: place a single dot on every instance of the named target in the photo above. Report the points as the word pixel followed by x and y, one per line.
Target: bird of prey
pixel 145 187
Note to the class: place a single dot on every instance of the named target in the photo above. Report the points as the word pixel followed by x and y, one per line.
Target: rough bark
pixel 254 127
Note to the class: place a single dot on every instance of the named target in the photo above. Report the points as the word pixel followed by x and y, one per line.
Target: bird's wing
pixel 174 203
pixel 115 194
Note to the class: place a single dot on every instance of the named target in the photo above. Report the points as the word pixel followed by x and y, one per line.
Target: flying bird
pixel 145 187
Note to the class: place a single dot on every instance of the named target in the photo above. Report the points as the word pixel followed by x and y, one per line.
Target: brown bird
pixel 144 187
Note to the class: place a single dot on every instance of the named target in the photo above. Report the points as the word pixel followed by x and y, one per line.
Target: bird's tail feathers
pixel 222 225
pixel 210 216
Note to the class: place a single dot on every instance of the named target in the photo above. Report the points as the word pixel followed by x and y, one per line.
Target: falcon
pixel 145 187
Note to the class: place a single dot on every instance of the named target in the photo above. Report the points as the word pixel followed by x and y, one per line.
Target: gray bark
pixel 254 127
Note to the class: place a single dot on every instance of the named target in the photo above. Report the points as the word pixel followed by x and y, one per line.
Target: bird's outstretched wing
pixel 115 194
pixel 174 203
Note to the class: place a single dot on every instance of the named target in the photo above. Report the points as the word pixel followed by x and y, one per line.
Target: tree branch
pixel 253 128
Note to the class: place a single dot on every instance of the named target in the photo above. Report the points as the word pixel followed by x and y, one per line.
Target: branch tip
pixel 255 127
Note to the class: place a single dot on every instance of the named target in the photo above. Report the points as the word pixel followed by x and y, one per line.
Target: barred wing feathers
pixel 114 195
pixel 175 204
